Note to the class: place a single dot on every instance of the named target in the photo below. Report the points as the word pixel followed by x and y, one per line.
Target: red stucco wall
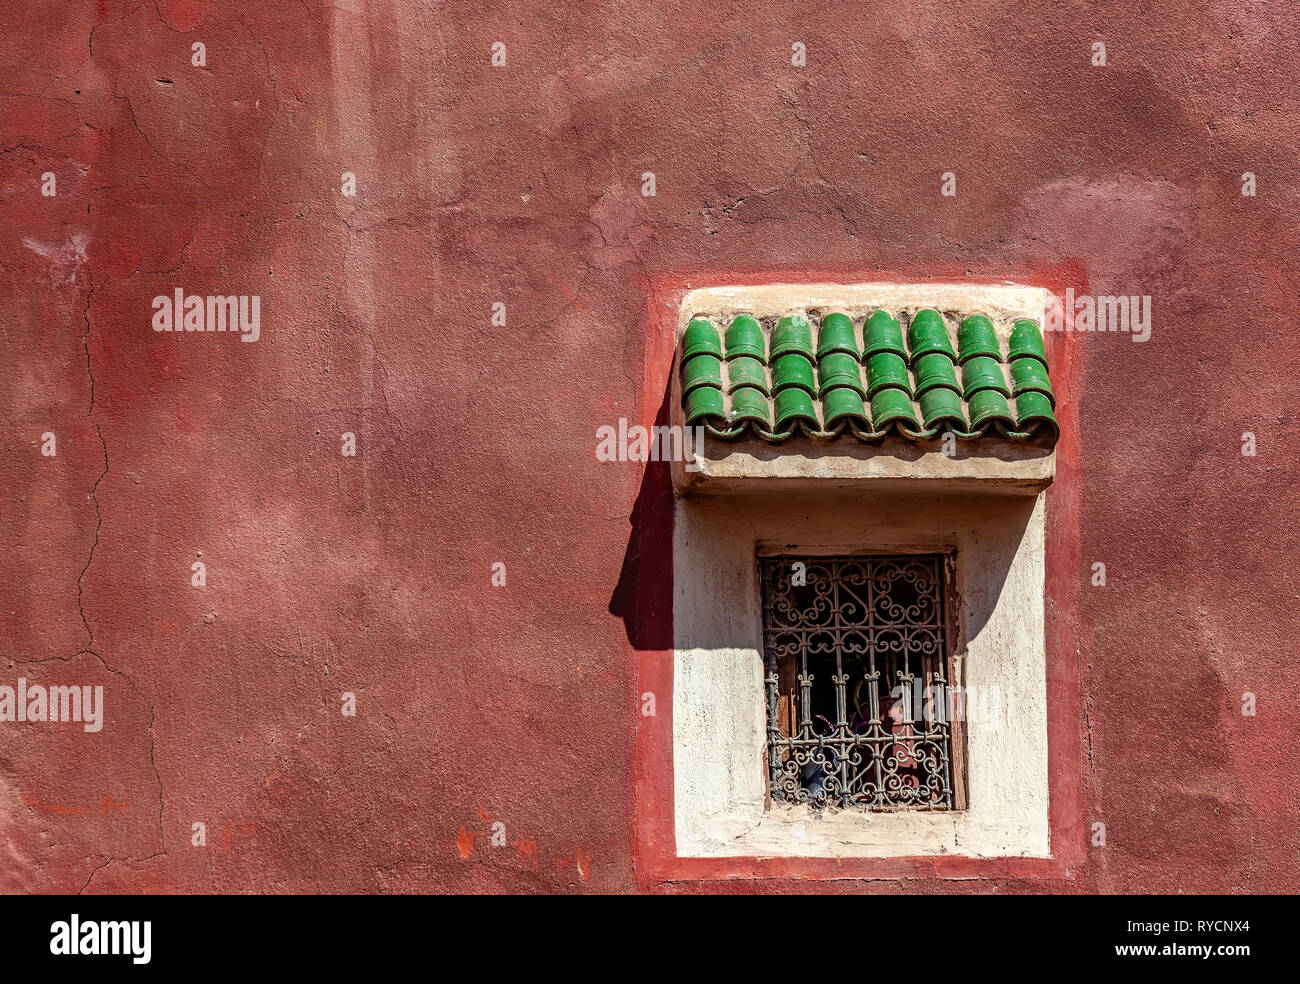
pixel 522 184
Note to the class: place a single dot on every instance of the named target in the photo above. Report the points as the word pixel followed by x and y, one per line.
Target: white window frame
pixel 721 803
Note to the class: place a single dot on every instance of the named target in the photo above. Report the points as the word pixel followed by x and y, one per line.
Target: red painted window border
pixel 657 866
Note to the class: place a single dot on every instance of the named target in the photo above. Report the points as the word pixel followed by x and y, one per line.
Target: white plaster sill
pixel 801 465
pixel 789 831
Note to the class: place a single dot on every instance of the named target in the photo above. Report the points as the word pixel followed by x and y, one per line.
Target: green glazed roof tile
pixel 746 371
pixel 927 332
pixel 793 403
pixel 701 370
pixel 1027 373
pixel 939 405
pixel 704 406
pixel 1035 410
pixel 891 406
pixel 1026 339
pixel 912 374
pixel 837 334
pixel 843 403
pixel 888 369
pixel 791 334
pixel 989 407
pixel 700 337
pixel 983 372
pixel 745 337
pixel 839 369
pixel 748 403
pixel 792 369
pixel 882 333
pixel 934 369
pixel 976 336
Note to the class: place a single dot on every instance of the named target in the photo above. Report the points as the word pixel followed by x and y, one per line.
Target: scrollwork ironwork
pixel 855 653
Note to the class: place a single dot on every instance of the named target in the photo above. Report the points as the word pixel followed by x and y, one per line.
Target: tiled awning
pixel 775 377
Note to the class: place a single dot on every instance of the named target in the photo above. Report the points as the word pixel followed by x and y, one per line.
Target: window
pixel 890 701
pixel 857 653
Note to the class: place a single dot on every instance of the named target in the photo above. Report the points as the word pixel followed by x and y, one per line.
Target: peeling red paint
pixel 465 843
pixel 526 852
pixel 581 859
pixel 105 806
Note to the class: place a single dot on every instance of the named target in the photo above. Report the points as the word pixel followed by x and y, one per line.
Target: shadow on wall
pixel 896 447
pixel 987 529
pixel 719 614
pixel 643 597
pixel 995 528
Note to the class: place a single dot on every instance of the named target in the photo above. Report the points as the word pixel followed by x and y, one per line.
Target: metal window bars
pixel 856 655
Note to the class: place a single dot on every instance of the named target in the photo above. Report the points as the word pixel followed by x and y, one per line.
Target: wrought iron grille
pixel 856 688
